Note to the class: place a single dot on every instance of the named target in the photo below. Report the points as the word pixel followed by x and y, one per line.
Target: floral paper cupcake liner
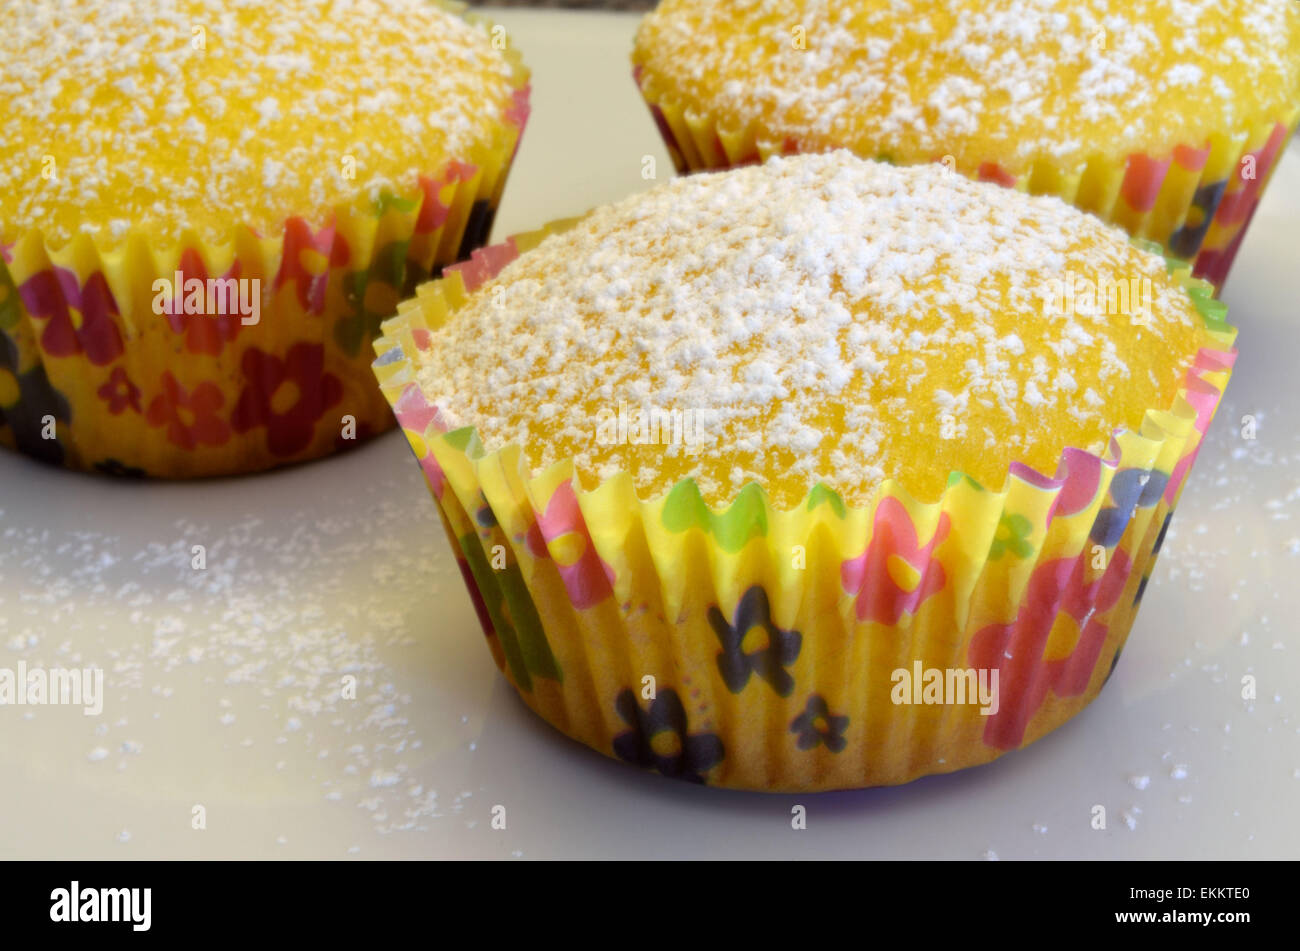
pixel 759 648
pixel 1196 200
pixel 92 377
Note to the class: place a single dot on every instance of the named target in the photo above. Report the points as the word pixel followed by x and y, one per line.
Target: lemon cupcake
pixel 746 471
pixel 1165 117
pixel 206 210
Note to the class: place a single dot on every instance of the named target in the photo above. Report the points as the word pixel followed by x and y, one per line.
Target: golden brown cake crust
pixel 818 318
pixel 1010 81
pixel 170 115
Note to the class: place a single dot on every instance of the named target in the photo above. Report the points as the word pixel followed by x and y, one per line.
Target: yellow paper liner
pixel 93 378
pixel 627 622
pixel 1196 200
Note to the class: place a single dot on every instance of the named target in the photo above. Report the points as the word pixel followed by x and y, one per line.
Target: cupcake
pixel 207 210
pixel 815 474
pixel 1165 117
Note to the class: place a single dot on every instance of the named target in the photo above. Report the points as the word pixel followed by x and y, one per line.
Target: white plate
pixel 224 683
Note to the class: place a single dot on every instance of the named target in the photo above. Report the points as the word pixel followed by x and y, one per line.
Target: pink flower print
pixel 896 572
pixel 586 577
pixel 1057 604
pixel 80 318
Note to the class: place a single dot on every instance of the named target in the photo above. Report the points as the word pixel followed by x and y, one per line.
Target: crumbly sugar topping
pixel 981 80
pixel 210 113
pixel 817 318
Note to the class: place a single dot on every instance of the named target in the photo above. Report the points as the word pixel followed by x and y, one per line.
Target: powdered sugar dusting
pixel 209 113
pixel 259 642
pixel 835 320
pixel 1000 80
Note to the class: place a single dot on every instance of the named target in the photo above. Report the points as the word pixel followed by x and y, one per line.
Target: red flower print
pixel 307 261
pixel 433 213
pixel 1235 210
pixel 119 392
pixel 476 598
pixel 80 318
pixel 1243 193
pixel 896 572
pixel 204 333
pixel 191 418
pixel 286 396
pixel 1059 602
pixel 1142 181
pixel 993 172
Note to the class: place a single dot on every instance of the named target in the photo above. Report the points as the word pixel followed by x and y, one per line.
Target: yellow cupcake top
pixel 207 114
pixel 1007 81
pixel 816 318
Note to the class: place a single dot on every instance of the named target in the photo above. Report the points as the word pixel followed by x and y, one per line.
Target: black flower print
pixel 1160 540
pixel 1187 240
pixel 768 660
pixel 484 515
pixel 818 726
pixel 477 228
pixel 1114 662
pixel 1130 489
pixel 115 467
pixel 33 398
pixel 659 738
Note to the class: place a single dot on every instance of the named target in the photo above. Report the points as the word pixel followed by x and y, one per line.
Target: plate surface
pixel 223 685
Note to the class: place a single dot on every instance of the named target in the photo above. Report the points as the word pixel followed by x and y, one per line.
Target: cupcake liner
pixel 753 647
pixel 1196 200
pixel 91 377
